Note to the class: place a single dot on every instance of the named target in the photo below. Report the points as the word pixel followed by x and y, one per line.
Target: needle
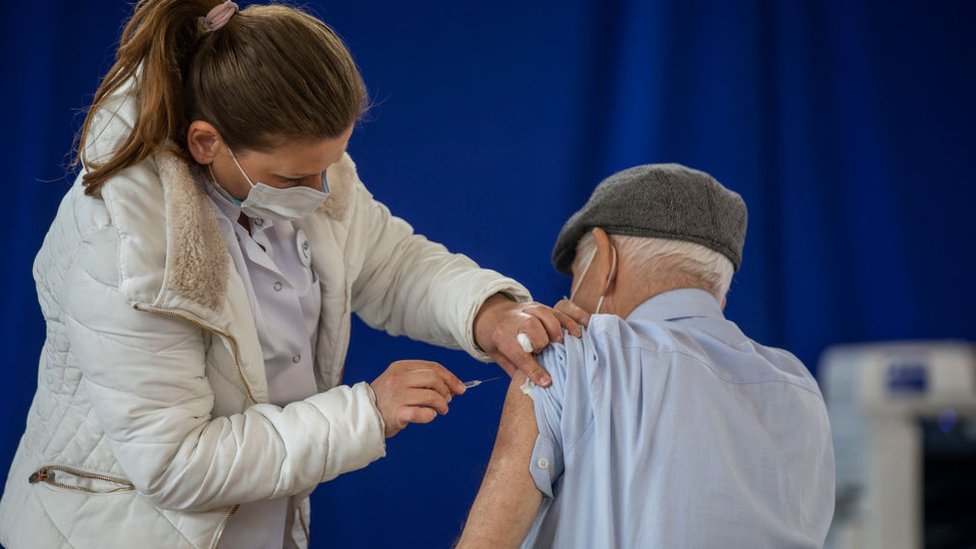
pixel 476 382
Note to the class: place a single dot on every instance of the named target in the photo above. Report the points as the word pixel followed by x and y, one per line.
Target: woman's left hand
pixel 498 326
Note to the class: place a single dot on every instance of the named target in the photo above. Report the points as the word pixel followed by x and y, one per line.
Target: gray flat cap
pixel 661 201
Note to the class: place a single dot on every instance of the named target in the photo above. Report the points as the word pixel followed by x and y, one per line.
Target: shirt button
pixel 542 463
pixel 296 359
pixel 258 221
pixel 277 286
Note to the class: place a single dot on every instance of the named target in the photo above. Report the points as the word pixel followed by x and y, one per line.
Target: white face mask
pixel 613 270
pixel 292 204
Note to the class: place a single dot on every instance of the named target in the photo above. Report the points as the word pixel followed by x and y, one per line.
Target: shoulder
pixel 786 367
pixel 716 345
pixel 80 236
pixel 565 363
pixel 166 225
pixel 738 359
pixel 104 239
pixel 560 357
pixel 576 362
pixel 605 328
pixel 726 353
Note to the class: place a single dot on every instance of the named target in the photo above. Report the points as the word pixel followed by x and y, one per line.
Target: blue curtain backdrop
pixel 847 127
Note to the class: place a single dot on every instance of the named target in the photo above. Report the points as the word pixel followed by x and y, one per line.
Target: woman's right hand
pixel 414 391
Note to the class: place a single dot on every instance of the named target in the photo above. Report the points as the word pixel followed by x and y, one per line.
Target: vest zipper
pixel 345 331
pixel 235 350
pixel 46 475
pixel 223 526
pixel 210 328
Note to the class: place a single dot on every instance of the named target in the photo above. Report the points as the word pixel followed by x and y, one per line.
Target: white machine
pixel 903 417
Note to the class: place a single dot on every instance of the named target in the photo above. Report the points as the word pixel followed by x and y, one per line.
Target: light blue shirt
pixel 672 429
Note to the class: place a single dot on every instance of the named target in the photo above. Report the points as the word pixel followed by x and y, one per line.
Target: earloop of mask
pixel 613 272
pixel 223 192
pixel 586 269
pixel 241 168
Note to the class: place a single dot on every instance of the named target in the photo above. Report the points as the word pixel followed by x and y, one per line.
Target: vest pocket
pixel 67 478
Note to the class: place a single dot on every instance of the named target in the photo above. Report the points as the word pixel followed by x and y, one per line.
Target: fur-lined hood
pixel 194 259
pixel 190 255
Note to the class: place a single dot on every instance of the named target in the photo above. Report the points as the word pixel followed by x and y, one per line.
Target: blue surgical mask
pixel 265 201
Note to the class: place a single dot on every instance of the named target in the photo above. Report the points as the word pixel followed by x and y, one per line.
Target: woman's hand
pixel 498 326
pixel 414 391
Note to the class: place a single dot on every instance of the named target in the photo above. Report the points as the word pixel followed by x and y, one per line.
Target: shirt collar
pixel 675 304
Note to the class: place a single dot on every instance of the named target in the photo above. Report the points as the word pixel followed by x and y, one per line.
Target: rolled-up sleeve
pixel 558 430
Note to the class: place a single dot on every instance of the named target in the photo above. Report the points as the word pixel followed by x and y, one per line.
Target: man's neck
pixel 628 296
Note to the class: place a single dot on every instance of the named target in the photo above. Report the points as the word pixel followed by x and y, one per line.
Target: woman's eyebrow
pixel 295 176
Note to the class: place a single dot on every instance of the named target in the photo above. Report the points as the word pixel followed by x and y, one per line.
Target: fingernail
pixel 461 388
pixel 545 381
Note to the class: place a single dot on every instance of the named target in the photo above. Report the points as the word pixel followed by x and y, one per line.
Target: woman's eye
pixel 293 181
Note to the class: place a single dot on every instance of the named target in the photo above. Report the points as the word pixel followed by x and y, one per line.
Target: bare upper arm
pixel 508 500
pixel 517 430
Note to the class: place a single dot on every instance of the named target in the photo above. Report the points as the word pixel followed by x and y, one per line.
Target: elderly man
pixel 665 426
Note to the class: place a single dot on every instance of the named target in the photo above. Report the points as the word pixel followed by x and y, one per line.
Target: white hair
pixel 658 259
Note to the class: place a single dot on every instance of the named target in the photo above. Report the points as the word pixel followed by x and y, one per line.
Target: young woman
pixel 198 282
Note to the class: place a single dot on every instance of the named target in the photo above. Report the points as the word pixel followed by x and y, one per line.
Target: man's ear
pixel 202 140
pixel 605 260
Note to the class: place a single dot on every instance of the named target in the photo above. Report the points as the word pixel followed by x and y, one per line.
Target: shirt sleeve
pixel 558 429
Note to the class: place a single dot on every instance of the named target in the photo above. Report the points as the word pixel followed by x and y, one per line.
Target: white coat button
pixel 296 359
pixel 277 286
pixel 258 221
pixel 543 463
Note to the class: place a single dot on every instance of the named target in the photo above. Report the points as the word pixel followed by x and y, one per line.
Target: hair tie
pixel 219 15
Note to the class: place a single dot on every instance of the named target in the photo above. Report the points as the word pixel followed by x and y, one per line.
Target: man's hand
pixel 499 323
pixel 414 391
pixel 573 311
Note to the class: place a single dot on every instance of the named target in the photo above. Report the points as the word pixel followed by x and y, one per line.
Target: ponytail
pixel 155 47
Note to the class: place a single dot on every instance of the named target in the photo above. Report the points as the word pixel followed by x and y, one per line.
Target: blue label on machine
pixel 907 377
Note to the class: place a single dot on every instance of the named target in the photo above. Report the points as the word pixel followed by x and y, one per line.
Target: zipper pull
pixel 41 475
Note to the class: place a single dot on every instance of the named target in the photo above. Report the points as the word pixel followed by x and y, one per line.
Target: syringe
pixel 476 382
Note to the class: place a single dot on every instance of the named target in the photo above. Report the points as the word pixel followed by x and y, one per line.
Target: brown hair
pixel 271 74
